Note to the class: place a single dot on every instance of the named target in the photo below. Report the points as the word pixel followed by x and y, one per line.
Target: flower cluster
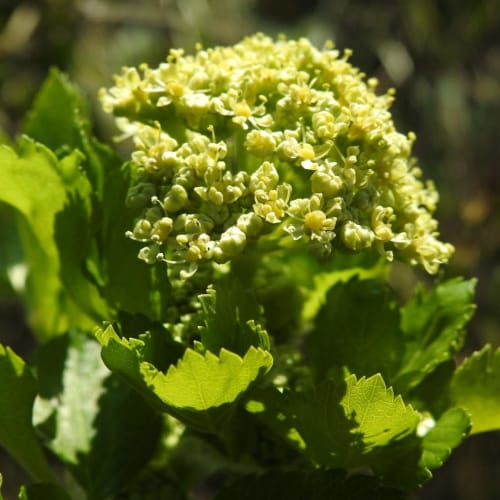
pixel 269 139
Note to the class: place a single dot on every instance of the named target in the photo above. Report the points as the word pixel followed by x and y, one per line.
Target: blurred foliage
pixel 442 56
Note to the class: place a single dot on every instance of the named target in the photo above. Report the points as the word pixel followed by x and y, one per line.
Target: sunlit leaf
pixel 199 389
pixel 43 215
pixel 342 424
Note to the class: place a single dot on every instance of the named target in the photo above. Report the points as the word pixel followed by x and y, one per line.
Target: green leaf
pixel 52 311
pixel 230 313
pixel 314 485
pixel 98 211
pixel 343 424
pixel 17 393
pixel 21 177
pixel 357 327
pixel 198 390
pixel 433 324
pixel 476 388
pixel 43 491
pixel 56 116
pixel 85 423
pixel 74 233
pixel 66 126
pixel 348 424
pixel 446 434
pixel 205 381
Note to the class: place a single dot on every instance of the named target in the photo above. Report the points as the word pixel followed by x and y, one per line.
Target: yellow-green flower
pixel 270 138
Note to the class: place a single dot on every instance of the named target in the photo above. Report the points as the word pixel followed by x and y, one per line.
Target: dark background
pixel 442 56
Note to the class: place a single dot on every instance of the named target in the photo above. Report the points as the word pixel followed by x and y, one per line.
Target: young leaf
pixel 357 327
pixel 198 390
pixel 476 388
pixel 311 484
pixel 448 432
pixel 433 325
pixel 230 313
pixel 17 392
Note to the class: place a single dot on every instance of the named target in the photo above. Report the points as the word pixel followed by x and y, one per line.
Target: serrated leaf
pixel 230 314
pixel 17 393
pixel 357 327
pixel 349 423
pixel 198 390
pixel 447 433
pixel 476 388
pixel 85 422
pixel 205 381
pixel 433 324
pixel 56 126
pixel 343 424
pixel 314 485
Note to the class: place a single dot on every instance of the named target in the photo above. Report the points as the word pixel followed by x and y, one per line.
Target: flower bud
pixel 356 237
